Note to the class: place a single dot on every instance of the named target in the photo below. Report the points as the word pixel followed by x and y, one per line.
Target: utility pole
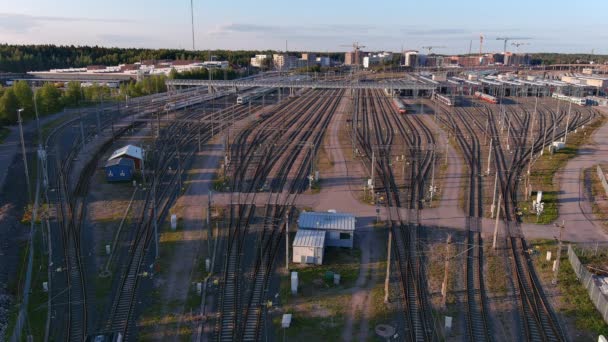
pixel 567 123
pixel 287 242
pixel 37 120
pixel 373 162
pixel 508 132
pixel 433 173
pixel 531 152
pixel 494 195
pixel 447 141
pixel 388 266
pixel 27 173
pixel 496 224
pixel 490 155
pixel 81 126
pixel 446 270
pixel 154 217
pixel 555 123
pixel 559 251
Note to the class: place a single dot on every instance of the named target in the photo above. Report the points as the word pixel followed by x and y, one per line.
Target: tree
pixel 72 94
pixel 48 99
pixel 25 97
pixel 9 104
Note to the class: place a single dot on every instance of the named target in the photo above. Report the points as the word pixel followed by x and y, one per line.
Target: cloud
pixel 20 23
pixel 295 31
pixel 434 32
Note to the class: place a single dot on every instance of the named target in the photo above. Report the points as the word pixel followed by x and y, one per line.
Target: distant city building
pixel 378 58
pixel 434 61
pixel 258 60
pixel 323 61
pixel 410 58
pixel 354 58
pixel 215 64
pixel 284 61
pixel 310 57
pixel 349 58
pixel 516 59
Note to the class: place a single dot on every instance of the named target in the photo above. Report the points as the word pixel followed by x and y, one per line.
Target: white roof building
pixel 129 150
pixel 340 226
pixel 309 246
pixel 327 221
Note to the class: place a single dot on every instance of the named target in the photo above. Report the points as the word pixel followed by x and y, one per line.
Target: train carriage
pixel 443 99
pixel 486 97
pixel 399 106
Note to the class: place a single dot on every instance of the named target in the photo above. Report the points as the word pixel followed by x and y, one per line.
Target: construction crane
pixel 430 48
pixel 356 49
pixel 518 44
pixel 506 40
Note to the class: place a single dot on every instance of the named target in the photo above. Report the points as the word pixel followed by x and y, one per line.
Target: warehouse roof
pixel 309 238
pixel 120 161
pixel 327 221
pixel 129 150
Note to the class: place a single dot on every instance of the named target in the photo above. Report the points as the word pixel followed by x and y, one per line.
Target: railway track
pixel 476 306
pixel 379 125
pixel 174 149
pixel 70 201
pixel 538 320
pixel 283 166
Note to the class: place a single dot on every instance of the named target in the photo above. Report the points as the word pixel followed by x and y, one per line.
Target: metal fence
pixel 602 177
pixel 587 279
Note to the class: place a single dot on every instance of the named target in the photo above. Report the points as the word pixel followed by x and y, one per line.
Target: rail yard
pixel 263 141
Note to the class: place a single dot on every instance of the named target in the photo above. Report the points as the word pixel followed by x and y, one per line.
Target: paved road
pixel 574 210
pixel 12 146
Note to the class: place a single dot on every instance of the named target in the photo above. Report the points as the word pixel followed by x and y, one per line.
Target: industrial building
pixel 130 152
pixel 597 82
pixel 309 247
pixel 340 227
pixel 119 169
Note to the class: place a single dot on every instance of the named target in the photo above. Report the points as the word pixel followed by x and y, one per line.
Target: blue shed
pixel 120 169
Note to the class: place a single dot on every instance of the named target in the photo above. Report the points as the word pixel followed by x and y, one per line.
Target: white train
pixel 255 94
pixel 581 101
pixel 443 99
pixel 399 105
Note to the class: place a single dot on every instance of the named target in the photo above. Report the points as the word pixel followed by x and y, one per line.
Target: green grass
pixel 337 260
pixel 597 192
pixel 495 280
pixel 4 133
pixel 544 170
pixel 381 313
pixel 574 300
pixel 319 308
pixel 37 306
pixel 310 328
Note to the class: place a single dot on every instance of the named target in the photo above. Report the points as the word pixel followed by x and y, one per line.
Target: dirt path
pixel 447 213
pixel 339 190
pixel 191 210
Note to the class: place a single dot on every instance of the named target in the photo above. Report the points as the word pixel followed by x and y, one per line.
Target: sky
pixel 311 25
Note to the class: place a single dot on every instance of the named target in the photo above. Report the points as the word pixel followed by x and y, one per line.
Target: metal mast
pixel 192 19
